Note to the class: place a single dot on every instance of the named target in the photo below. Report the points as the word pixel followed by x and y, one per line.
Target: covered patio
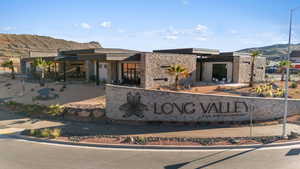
pixel 116 66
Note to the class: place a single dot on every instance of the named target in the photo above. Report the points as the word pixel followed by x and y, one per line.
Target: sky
pixel 146 25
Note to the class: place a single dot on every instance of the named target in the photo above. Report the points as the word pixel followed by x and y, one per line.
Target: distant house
pixel 149 69
pixel 295 58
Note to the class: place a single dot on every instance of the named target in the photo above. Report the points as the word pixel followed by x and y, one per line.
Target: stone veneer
pixel 129 103
pixel 242 69
pixel 154 68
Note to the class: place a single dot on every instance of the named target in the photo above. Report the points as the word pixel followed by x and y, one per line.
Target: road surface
pixel 18 154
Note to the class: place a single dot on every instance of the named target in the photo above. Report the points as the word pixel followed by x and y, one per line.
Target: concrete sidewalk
pixel 10 122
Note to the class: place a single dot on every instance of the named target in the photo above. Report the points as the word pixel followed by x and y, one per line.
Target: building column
pixel 97 73
pixel 88 69
pixel 64 69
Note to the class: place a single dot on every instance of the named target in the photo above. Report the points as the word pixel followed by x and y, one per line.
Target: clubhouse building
pixel 149 69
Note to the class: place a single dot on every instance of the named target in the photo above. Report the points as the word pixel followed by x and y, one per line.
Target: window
pixel 131 73
pixel 219 72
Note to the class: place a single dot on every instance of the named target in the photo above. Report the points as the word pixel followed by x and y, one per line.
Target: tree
pixel 177 71
pixel 9 64
pixel 283 65
pixel 42 64
pixel 253 55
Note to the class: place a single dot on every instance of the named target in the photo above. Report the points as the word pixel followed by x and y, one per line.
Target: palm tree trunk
pixel 13 73
pixel 252 72
pixel 282 75
pixel 42 81
pixel 176 82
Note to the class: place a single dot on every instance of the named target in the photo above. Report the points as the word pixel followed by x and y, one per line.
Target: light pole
pixel 284 134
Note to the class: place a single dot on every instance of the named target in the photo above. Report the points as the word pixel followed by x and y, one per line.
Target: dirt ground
pixel 242 90
pixel 79 93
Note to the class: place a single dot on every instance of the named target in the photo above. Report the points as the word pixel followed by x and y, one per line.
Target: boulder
pixel 98 113
pixel 84 113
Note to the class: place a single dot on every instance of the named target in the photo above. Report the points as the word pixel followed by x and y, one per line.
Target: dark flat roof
pixel 199 51
pixel 226 54
pixel 96 51
pixel 295 53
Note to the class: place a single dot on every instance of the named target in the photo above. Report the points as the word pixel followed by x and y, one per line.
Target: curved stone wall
pixel 129 103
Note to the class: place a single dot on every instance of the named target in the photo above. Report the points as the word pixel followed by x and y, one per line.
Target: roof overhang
pixel 195 51
pixel 96 51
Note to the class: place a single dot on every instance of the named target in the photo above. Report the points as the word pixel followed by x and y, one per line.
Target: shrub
pixel 11 103
pixel 32 132
pixel 294 85
pixel 267 90
pixel 45 133
pixel 33 108
pixel 55 110
pixel 140 140
pixel 54 133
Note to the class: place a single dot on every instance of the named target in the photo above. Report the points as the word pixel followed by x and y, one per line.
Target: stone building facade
pixel 149 69
pixel 154 68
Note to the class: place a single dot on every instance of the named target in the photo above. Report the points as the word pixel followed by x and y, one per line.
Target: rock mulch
pixel 83 112
pixel 111 139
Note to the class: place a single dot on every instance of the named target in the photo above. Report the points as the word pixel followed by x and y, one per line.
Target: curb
pixel 154 147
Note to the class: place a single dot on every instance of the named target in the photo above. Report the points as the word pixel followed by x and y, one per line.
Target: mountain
pixel 12 45
pixel 272 50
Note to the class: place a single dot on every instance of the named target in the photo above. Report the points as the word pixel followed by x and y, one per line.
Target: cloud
pixel 106 24
pixel 185 2
pixel 171 30
pixel 232 31
pixel 171 37
pixel 172 33
pixel 8 28
pixel 121 31
pixel 201 38
pixel 85 25
pixel 201 28
pixel 263 38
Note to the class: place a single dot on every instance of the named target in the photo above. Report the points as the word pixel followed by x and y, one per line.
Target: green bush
pixel 45 133
pixel 294 85
pixel 33 108
pixel 140 140
pixel 54 133
pixel 11 103
pixel 32 132
pixel 55 110
pixel 267 90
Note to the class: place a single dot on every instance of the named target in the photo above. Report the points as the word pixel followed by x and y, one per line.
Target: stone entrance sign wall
pixel 129 103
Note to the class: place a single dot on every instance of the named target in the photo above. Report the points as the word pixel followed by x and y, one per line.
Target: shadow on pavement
pixel 179 165
pixel 293 152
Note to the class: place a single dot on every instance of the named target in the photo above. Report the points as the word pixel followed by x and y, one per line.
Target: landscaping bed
pixel 137 140
pixel 74 113
pixel 267 89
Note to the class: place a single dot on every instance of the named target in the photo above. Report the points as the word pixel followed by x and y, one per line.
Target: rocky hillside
pixel 12 45
pixel 272 50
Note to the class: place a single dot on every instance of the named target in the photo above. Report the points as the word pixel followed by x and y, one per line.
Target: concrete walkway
pixel 10 122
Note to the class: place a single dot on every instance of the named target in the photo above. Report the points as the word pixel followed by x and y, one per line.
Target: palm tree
pixel 177 71
pixel 253 55
pixel 42 64
pixel 283 65
pixel 9 64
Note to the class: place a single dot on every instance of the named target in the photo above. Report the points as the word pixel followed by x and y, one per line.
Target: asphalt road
pixel 17 154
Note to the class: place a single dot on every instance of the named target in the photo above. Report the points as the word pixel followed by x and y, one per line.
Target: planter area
pixel 77 113
pixel 188 141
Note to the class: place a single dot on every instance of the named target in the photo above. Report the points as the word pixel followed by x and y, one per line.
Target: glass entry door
pixel 131 73
pixel 220 72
